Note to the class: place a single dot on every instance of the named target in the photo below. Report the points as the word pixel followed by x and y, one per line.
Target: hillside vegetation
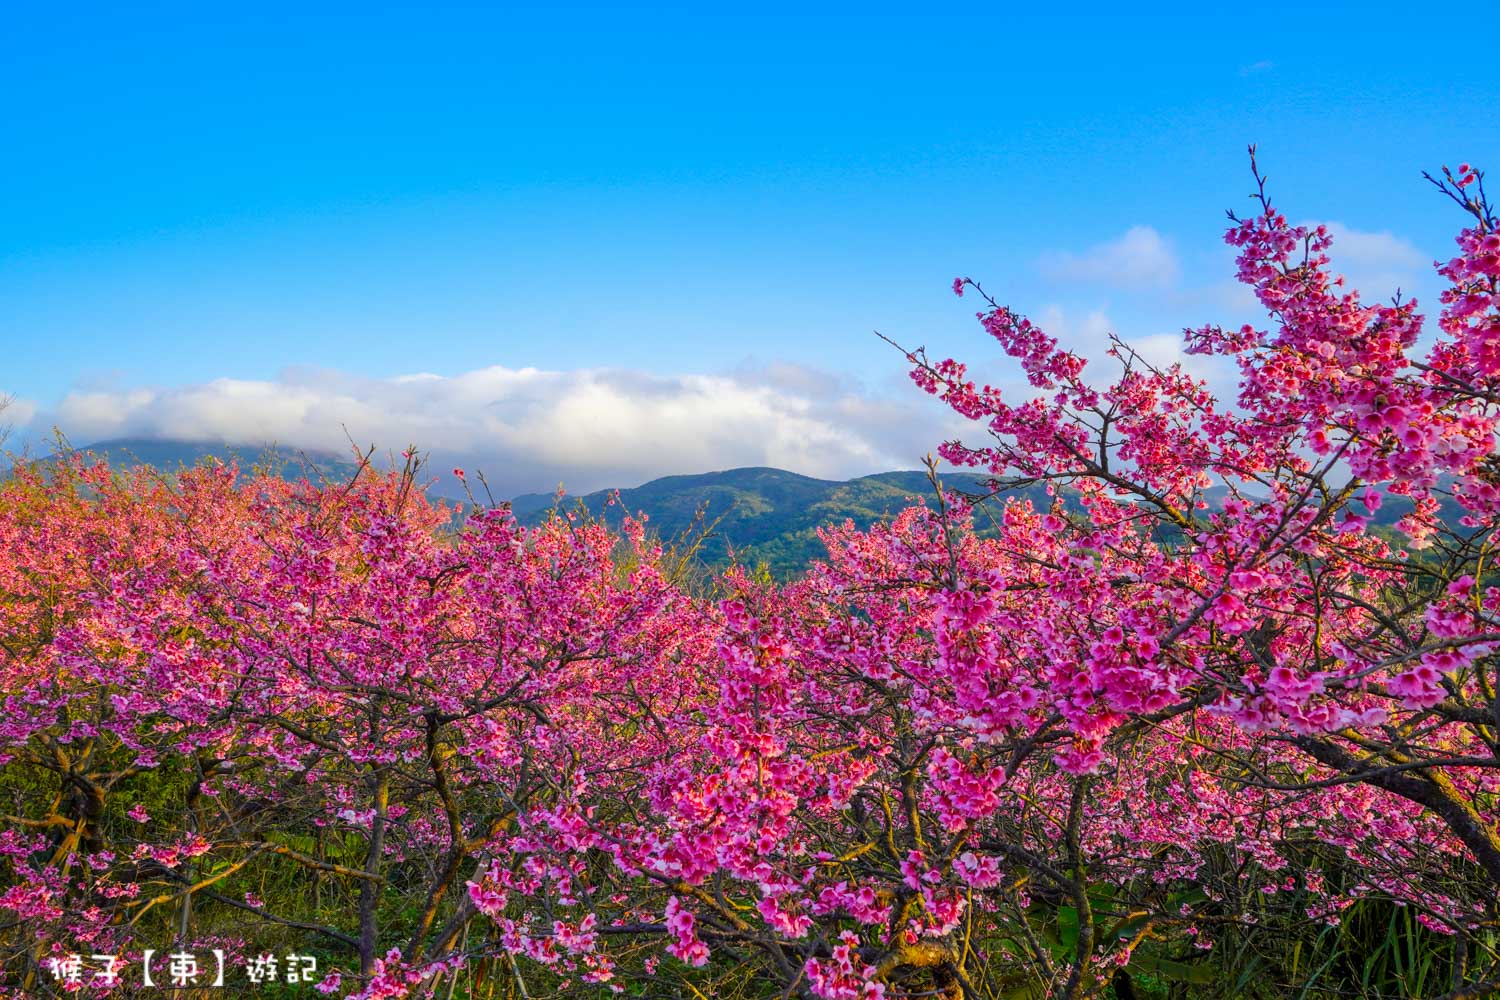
pixel 763 516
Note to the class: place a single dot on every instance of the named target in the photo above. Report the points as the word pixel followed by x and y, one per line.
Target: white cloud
pixel 1231 296
pixel 1140 260
pixel 14 408
pixel 1089 336
pixel 1382 248
pixel 1377 263
pixel 14 412
pixel 529 429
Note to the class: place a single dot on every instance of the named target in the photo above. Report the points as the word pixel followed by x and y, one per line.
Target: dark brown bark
pixel 369 890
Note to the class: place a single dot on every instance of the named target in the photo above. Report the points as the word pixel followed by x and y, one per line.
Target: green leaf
pixel 1132 927
pixel 1067 926
pixel 1182 972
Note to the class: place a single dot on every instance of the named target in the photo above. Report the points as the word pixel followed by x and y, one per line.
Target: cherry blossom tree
pixel 215 682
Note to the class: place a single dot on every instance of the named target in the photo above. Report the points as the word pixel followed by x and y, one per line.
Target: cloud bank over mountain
pixel 529 428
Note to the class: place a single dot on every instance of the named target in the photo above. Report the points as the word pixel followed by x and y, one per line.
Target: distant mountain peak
pixel 170 454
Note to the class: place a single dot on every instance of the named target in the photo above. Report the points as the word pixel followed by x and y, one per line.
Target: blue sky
pixel 256 222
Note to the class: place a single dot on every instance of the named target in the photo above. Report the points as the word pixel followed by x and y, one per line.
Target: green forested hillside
pixel 764 515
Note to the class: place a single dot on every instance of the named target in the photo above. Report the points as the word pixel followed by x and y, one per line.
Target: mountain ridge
pixel 764 515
